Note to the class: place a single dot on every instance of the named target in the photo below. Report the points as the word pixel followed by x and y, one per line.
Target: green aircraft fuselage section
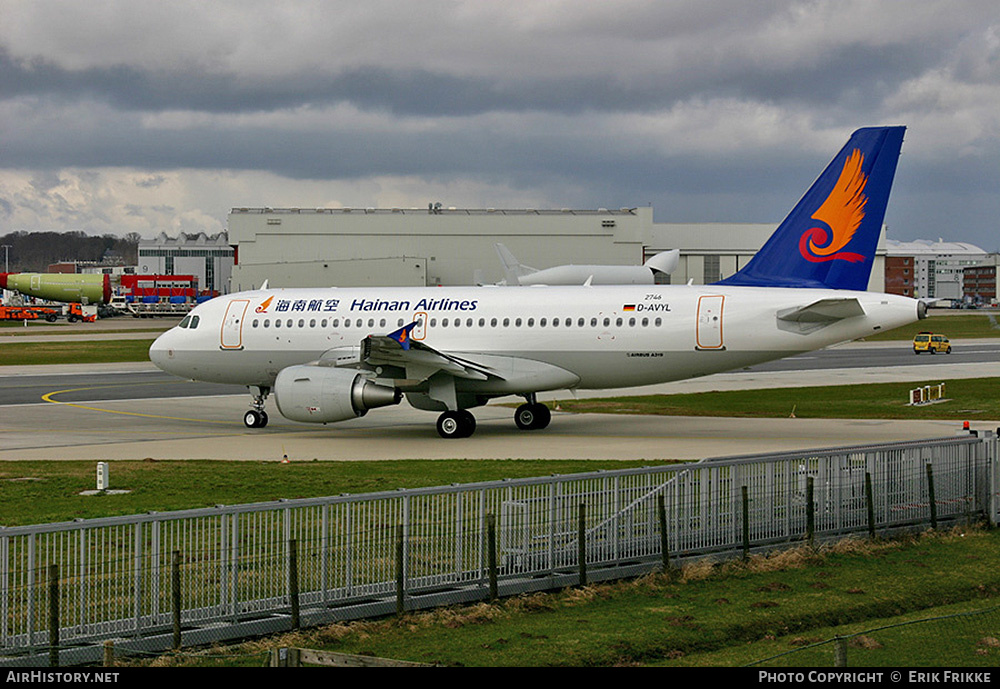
pixel 68 287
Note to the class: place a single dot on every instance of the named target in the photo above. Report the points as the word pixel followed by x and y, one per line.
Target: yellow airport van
pixel 931 342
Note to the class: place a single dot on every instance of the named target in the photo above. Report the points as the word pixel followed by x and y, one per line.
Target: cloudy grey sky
pixel 126 115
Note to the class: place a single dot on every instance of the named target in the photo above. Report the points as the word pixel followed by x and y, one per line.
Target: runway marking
pixel 48 398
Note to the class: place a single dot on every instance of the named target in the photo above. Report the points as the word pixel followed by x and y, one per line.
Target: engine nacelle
pixel 319 394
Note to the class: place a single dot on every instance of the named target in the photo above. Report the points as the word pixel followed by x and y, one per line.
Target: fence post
pixel 293 580
pixel 870 501
pixel 491 554
pixel 109 653
pixel 840 651
pixel 53 615
pixel 746 523
pixel 582 543
pixel 400 583
pixel 664 540
pixel 810 513
pixel 930 495
pixel 175 596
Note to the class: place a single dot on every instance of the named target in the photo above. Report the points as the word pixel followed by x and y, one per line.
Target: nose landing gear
pixel 256 417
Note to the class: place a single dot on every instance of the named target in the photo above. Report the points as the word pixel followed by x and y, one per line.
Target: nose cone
pixel 161 352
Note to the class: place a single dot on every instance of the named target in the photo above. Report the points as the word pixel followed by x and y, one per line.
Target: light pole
pixel 6 250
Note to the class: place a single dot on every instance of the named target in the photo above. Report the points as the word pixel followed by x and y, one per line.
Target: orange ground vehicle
pixel 27 313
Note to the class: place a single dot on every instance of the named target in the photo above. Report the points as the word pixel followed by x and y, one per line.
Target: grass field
pixel 97 352
pixel 967 399
pixel 43 492
pixel 715 615
pixel 957 327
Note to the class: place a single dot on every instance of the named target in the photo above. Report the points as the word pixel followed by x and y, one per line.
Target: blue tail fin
pixel 829 238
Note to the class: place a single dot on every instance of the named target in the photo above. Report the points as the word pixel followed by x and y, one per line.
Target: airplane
pixel 333 354
pixel 519 274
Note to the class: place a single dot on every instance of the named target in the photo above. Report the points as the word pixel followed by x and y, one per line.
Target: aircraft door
pixel 419 331
pixel 709 327
pixel 232 324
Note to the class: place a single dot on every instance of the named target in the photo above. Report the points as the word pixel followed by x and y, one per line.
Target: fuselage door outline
pixel 709 327
pixel 231 336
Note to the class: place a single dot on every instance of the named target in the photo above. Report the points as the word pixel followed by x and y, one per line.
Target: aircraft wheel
pixel 263 419
pixel 456 424
pixel 532 417
pixel 254 419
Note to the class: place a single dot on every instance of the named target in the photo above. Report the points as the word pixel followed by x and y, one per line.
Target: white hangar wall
pixel 398 247
pixel 345 247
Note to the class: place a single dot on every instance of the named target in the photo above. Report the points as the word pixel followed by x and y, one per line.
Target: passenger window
pixel 517 322
pixel 580 322
pixel 312 322
pixel 542 322
pixel 493 322
pixel 302 322
pixel 506 322
pixel 531 322
pixel 288 323
pixel 631 322
pixel 658 321
pixel 444 322
pixel 468 323
pixel 255 322
pixel 645 322
pixel 267 322
pixel 277 323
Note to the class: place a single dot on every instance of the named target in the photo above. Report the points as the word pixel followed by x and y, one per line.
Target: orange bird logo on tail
pixel 842 213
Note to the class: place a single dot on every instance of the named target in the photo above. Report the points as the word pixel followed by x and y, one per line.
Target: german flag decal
pixel 628 307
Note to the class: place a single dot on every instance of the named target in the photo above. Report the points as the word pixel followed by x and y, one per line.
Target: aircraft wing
pixel 421 361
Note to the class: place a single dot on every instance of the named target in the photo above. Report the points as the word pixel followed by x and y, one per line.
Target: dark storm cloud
pixel 712 111
pixel 857 72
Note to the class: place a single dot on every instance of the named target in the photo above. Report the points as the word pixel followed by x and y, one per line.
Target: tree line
pixel 32 252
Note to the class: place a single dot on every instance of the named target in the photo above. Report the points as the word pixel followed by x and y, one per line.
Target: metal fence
pixel 359 556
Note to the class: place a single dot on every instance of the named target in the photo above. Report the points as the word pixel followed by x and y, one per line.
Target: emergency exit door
pixel 709 328
pixel 232 324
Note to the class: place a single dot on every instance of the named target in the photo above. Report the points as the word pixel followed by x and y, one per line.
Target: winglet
pixel 402 336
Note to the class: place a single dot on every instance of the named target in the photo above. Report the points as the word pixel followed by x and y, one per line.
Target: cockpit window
pixel 194 321
pixel 184 323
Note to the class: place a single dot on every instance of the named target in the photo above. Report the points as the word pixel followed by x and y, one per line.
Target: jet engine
pixel 319 394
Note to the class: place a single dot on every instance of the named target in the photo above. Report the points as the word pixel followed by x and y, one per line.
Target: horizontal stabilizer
pixel 823 311
pixel 819 314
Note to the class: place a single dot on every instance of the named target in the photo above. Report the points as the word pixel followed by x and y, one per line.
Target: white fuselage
pixel 601 336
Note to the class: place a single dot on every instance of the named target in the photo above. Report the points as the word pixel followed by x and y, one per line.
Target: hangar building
pixel 314 247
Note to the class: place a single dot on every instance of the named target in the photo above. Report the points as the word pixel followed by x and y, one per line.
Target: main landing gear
pixel 531 416
pixel 456 424
pixel 256 417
